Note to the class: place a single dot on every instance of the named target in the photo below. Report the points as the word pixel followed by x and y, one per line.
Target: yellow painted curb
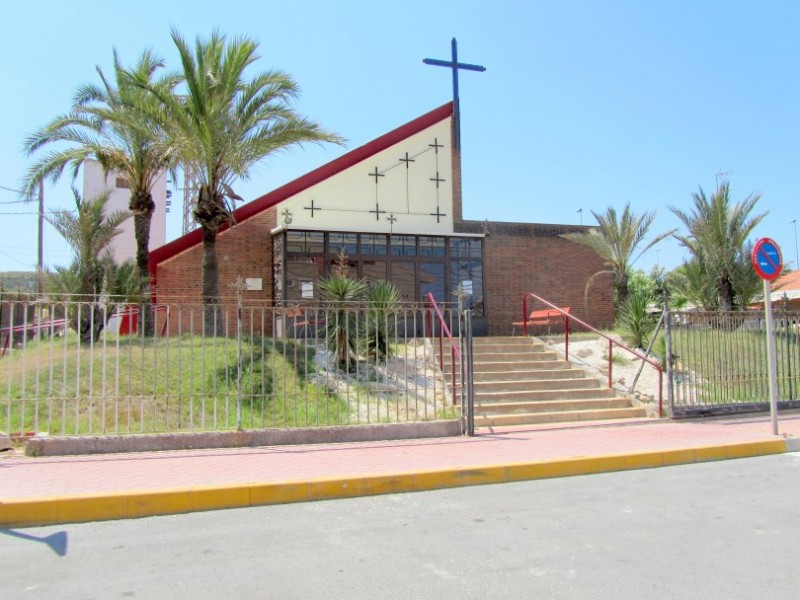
pixel 23 512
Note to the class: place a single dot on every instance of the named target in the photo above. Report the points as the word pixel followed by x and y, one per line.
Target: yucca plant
pixel 343 325
pixel 382 299
pixel 635 320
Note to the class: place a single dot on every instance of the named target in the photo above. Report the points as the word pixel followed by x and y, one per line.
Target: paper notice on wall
pixel 253 284
pixel 307 289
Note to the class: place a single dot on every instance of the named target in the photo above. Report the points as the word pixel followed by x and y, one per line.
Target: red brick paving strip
pixel 47 477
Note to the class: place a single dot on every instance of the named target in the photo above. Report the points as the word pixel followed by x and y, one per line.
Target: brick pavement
pixel 334 470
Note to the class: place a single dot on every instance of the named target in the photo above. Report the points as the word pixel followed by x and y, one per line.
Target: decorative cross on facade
pixel 436 145
pixel 438 214
pixel 378 212
pixel 312 208
pixel 375 174
pixel 287 216
pixel 437 179
pixel 455 65
pixel 407 160
pixel 392 220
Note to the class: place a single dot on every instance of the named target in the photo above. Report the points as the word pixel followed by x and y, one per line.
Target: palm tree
pixel 617 241
pixel 225 124
pixel 718 232
pixel 89 232
pixel 116 124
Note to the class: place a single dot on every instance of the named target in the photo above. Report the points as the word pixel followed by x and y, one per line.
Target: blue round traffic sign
pixel 767 259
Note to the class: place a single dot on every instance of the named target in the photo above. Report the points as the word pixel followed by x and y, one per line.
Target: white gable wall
pixel 410 193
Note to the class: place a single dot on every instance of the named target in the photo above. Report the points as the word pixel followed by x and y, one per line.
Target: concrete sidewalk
pixel 68 489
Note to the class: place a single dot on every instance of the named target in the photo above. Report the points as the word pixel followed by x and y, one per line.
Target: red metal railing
pixel 444 330
pixel 611 342
pixel 50 326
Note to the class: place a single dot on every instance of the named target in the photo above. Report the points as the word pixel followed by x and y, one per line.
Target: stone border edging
pixel 70 445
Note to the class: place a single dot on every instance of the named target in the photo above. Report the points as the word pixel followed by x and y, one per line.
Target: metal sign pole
pixel 771 358
pixel 768 264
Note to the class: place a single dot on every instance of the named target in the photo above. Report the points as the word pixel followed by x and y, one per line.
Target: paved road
pixel 713 530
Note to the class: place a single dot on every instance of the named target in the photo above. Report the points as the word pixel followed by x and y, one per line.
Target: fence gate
pixel 467 370
pixel 719 361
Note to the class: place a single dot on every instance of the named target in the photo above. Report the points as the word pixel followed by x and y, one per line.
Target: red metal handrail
pixel 611 342
pixel 455 352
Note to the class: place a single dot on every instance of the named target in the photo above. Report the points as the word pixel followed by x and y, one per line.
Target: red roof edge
pixel 314 177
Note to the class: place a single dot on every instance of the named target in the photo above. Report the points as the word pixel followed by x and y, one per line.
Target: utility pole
pixel 40 259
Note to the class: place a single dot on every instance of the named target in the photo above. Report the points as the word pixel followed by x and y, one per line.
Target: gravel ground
pixel 592 355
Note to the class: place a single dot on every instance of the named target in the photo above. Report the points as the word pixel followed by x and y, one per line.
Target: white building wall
pixel 124 246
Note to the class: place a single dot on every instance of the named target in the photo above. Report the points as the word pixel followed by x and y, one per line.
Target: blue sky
pixel 585 104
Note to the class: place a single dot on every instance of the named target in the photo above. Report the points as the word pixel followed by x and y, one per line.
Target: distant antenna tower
pixel 190 190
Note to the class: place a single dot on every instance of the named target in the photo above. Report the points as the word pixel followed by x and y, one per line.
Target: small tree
pixel 224 124
pixel 719 274
pixel 89 232
pixel 617 239
pixel 117 124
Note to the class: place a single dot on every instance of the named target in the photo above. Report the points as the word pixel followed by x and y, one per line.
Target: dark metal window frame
pixel 447 258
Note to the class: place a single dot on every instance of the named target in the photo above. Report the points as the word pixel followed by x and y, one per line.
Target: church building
pixel 394 207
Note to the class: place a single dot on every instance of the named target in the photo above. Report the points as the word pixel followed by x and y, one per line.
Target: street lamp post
pixel 796 260
pixel 40 249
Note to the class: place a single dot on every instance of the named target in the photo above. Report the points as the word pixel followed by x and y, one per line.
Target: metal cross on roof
pixel 455 65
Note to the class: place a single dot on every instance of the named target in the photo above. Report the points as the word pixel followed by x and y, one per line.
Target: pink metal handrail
pixel 611 342
pixel 455 352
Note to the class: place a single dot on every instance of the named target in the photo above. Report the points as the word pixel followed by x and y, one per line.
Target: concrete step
pixel 515 356
pixel 532 375
pixel 530 347
pixel 559 417
pixel 505 341
pixel 511 366
pixel 583 383
pixel 508 408
pixel 535 395
pixel 519 381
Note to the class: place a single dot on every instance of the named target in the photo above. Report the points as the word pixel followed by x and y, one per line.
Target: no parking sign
pixel 767 259
pixel 768 263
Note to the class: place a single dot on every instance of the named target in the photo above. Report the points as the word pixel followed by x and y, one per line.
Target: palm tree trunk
pixel 726 294
pixel 622 290
pixel 142 207
pixel 211 320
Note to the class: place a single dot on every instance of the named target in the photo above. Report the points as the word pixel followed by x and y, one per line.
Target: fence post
pixel 467 372
pixel 668 357
pixel 239 285
pixel 786 331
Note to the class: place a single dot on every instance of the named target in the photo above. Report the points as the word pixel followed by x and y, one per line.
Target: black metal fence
pixel 719 361
pixel 74 367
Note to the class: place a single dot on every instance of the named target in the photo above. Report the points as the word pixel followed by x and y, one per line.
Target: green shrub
pixel 636 322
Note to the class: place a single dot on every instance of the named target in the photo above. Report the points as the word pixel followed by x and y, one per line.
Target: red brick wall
pixel 244 250
pixel 523 257
pixel 518 258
